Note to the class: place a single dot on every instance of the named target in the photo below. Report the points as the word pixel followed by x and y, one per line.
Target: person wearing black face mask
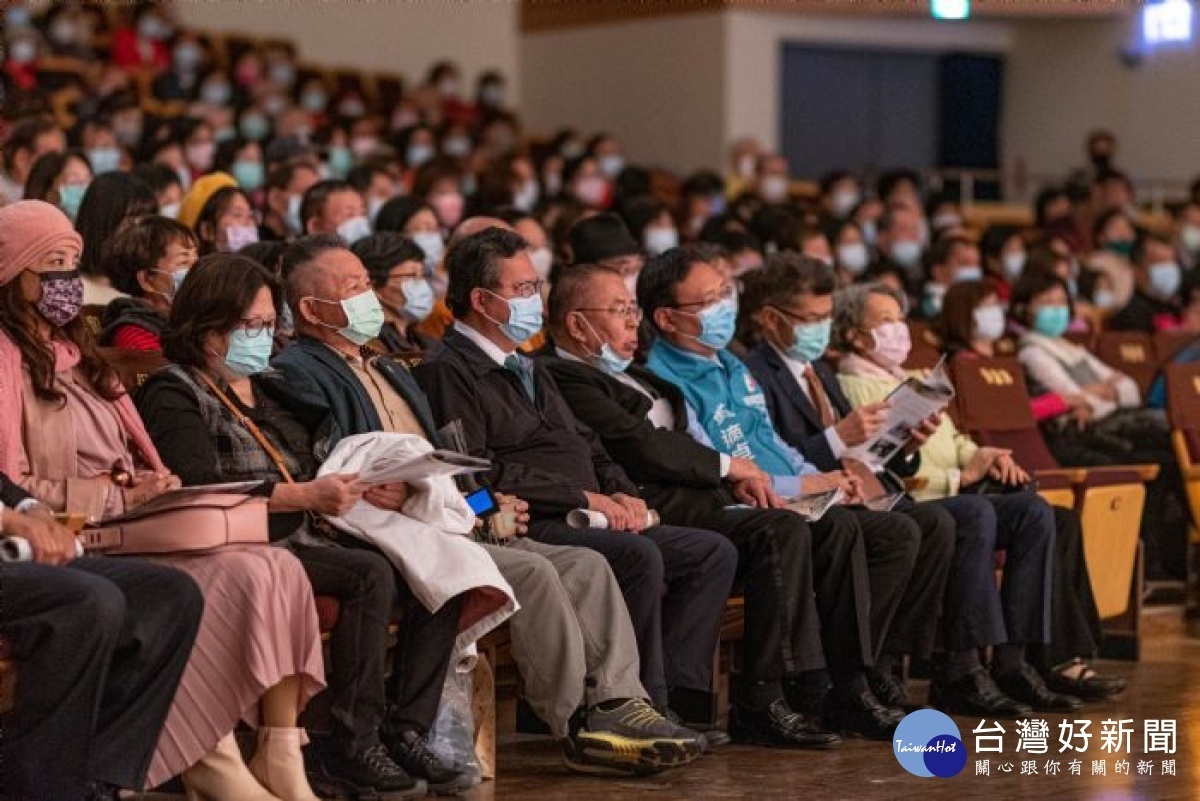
pixel 1101 147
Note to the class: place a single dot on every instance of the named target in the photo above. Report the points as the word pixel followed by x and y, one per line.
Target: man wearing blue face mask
pixel 513 413
pixel 1157 277
pixel 953 258
pixel 396 266
pixel 808 581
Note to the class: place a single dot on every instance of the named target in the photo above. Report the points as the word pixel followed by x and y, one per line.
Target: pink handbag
pixel 201 522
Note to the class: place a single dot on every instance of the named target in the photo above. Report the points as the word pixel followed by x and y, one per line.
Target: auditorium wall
pixel 405 37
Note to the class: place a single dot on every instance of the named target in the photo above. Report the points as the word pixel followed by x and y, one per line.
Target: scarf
pixel 12 409
pixel 854 365
pixel 728 403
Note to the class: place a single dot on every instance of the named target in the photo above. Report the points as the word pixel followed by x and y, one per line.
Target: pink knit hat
pixel 30 229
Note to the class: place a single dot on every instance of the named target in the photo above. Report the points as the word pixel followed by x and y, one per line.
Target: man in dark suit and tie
pixel 643 421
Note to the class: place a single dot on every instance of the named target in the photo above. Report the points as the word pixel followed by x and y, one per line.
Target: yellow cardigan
pixel 945 454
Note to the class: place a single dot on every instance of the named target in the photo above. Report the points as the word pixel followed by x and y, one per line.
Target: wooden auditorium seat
pixel 993 405
pixel 1132 353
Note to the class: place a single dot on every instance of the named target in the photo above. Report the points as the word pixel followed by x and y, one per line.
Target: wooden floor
pixel 1165 684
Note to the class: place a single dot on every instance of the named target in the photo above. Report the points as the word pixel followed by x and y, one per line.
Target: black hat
pixel 604 236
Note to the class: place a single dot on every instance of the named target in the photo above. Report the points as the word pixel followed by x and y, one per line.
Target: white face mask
pixel 854 257
pixel 989 323
pixel 774 189
pixel 1189 237
pixel 892 343
pixel 1014 264
pixel 354 229
pixel 431 244
pixel 660 240
pixel 170 210
pixel 844 202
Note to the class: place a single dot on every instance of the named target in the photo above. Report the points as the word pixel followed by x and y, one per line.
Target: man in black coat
pixel 99 647
pixel 811 577
pixel 513 414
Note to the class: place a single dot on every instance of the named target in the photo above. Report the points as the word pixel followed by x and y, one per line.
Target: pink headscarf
pixel 30 230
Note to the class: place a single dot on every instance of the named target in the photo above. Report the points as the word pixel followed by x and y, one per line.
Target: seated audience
pixel 572 640
pixel 1120 431
pixel 513 414
pixel 102 644
pixel 74 439
pixel 1157 277
pixel 396 266
pixel 148 261
pixel 112 201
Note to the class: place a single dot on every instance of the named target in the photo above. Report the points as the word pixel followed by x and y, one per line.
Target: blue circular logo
pixel 927 743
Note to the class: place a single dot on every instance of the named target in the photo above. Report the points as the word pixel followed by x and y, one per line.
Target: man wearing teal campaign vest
pixel 693 311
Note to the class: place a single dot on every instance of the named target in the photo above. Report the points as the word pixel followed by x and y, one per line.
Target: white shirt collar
pixel 486 345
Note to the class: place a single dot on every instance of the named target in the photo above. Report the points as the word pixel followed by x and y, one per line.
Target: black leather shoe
pixel 861 716
pixel 974 694
pixel 1026 686
pixel 411 752
pixel 778 727
pixel 1087 686
pixel 889 689
pixel 710 735
pixel 367 772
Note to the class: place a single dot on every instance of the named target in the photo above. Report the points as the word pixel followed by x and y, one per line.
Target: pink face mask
pixel 449 208
pixel 892 343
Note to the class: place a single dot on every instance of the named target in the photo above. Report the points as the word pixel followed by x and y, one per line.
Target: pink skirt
pixel 259 627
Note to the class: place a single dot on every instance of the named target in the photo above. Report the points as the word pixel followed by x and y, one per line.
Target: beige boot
pixel 279 764
pixel 222 776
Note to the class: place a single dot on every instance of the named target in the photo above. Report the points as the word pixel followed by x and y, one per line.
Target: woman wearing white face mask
pixel 148 260
pixel 852 255
pixel 396 266
pixel 1004 257
pixel 226 222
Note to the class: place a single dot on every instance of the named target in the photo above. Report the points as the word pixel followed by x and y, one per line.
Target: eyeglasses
pixel 725 294
pixel 526 289
pixel 633 313
pixel 807 319
pixel 256 326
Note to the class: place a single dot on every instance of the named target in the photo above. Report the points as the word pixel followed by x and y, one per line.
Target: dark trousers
pixel 909 551
pixel 1074 619
pixel 361 581
pixel 696 567
pixel 100 646
pixel 975 613
pixel 354 573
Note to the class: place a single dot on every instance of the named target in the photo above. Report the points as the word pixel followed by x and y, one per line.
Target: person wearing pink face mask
pixel 226 223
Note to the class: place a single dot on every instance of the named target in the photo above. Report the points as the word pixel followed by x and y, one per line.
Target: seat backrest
pixel 1130 352
pixel 1167 344
pixel 926 347
pixel 133 367
pixel 992 404
pixel 93 317
pixel 1183 404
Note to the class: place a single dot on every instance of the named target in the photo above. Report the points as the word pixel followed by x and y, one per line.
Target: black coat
pixel 677 476
pixel 797 420
pixel 539 450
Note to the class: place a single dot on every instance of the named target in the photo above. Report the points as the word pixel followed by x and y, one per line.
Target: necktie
pixel 819 399
pixel 513 364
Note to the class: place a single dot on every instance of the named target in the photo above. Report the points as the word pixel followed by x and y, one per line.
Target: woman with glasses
pixel 70 434
pixel 218 414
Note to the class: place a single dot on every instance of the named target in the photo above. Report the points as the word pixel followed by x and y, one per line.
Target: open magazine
pixel 812 507
pixel 912 402
pixel 388 469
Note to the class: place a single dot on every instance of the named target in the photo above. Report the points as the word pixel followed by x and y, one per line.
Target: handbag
pixel 193 522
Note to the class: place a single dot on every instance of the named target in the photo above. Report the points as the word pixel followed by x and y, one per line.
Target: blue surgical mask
pixel 177 279
pixel 431 244
pixel 364 317
pixel 868 229
pixel 69 198
pixel 973 273
pixel 524 317
pixel 248 355
pixel 718 323
pixel 906 253
pixel 255 126
pixel 249 174
pixel 1052 321
pixel 608 360
pixel 417 154
pixel 418 298
pixel 104 159
pixel 1165 278
pixel 340 160
pixel 1104 299
pixel 809 340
